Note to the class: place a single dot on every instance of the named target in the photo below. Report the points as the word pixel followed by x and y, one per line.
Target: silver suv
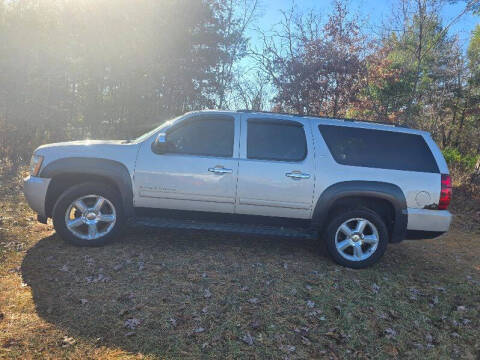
pixel 357 185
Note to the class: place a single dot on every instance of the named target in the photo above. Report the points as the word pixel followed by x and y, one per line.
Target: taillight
pixel 445 192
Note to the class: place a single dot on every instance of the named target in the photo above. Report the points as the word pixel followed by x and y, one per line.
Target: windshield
pixel 164 125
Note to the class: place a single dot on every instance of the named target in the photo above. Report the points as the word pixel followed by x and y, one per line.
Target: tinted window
pixel 207 136
pixel 276 140
pixel 378 148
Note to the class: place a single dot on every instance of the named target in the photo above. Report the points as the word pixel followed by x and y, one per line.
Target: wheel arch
pixel 71 171
pixel 371 194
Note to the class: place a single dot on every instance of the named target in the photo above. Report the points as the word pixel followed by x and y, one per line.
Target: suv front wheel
pixel 88 214
pixel 357 238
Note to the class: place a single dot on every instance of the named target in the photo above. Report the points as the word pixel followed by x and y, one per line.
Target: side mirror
pixel 159 146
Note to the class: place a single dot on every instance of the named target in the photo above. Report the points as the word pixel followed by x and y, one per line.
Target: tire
pixel 82 207
pixel 358 249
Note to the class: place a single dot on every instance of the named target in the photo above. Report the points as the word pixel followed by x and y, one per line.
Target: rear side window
pixel 276 140
pixel 378 149
pixel 203 136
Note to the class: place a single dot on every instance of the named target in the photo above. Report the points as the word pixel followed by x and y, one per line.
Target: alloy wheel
pixel 90 217
pixel 356 239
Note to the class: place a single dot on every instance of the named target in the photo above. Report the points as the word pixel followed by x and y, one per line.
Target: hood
pixel 82 143
pixel 116 150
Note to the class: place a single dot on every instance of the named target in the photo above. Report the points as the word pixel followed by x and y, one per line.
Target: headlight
pixel 35 164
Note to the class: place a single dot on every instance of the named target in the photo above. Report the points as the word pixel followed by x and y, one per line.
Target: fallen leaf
pixel 255 324
pixel 99 278
pixel 118 267
pixel 68 341
pixel 247 339
pixel 288 348
pixel 391 333
pixel 429 338
pixel 306 341
pixel 131 323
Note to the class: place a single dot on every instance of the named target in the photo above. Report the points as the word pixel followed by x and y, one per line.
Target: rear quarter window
pixel 378 149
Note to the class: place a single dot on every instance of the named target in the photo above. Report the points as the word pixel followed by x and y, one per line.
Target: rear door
pixel 199 171
pixel 276 168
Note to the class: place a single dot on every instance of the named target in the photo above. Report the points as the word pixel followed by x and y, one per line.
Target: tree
pixel 315 69
pixel 104 68
pixel 233 16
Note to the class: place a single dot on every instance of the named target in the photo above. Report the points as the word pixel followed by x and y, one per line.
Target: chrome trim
pixel 297 175
pixel 220 170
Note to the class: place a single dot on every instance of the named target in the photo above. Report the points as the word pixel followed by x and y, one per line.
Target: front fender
pixel 112 170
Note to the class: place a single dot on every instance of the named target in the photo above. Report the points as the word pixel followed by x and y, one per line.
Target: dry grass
pixel 178 294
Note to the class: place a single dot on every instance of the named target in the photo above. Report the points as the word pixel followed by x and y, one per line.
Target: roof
pixel 325 117
pixel 377 125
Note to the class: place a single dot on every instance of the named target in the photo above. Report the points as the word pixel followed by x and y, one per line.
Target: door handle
pixel 220 170
pixel 297 175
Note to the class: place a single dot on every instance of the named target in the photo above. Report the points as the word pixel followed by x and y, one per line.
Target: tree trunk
pixel 475 178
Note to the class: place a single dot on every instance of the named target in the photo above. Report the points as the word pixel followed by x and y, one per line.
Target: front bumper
pixel 35 190
pixel 429 220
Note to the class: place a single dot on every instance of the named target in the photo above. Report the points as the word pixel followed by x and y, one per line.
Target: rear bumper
pixel 431 221
pixel 35 190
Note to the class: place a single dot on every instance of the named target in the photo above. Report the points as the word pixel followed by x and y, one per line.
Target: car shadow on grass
pixel 190 293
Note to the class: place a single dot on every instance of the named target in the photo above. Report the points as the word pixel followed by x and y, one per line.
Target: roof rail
pixel 323 117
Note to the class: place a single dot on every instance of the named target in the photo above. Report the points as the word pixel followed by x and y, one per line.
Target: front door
pixel 198 171
pixel 276 168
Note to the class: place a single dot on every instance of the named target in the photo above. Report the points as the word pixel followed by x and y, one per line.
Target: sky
pixel 375 11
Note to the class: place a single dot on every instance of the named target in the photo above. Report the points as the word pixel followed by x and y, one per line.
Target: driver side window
pixel 203 136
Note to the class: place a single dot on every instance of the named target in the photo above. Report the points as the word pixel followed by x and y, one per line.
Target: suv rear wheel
pixel 357 238
pixel 88 214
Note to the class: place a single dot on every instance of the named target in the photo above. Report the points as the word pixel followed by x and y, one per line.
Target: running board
pixel 253 229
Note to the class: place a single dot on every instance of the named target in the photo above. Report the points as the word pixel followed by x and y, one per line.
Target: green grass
pixel 421 301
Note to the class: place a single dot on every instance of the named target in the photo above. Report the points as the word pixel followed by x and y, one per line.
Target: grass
pixel 165 294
